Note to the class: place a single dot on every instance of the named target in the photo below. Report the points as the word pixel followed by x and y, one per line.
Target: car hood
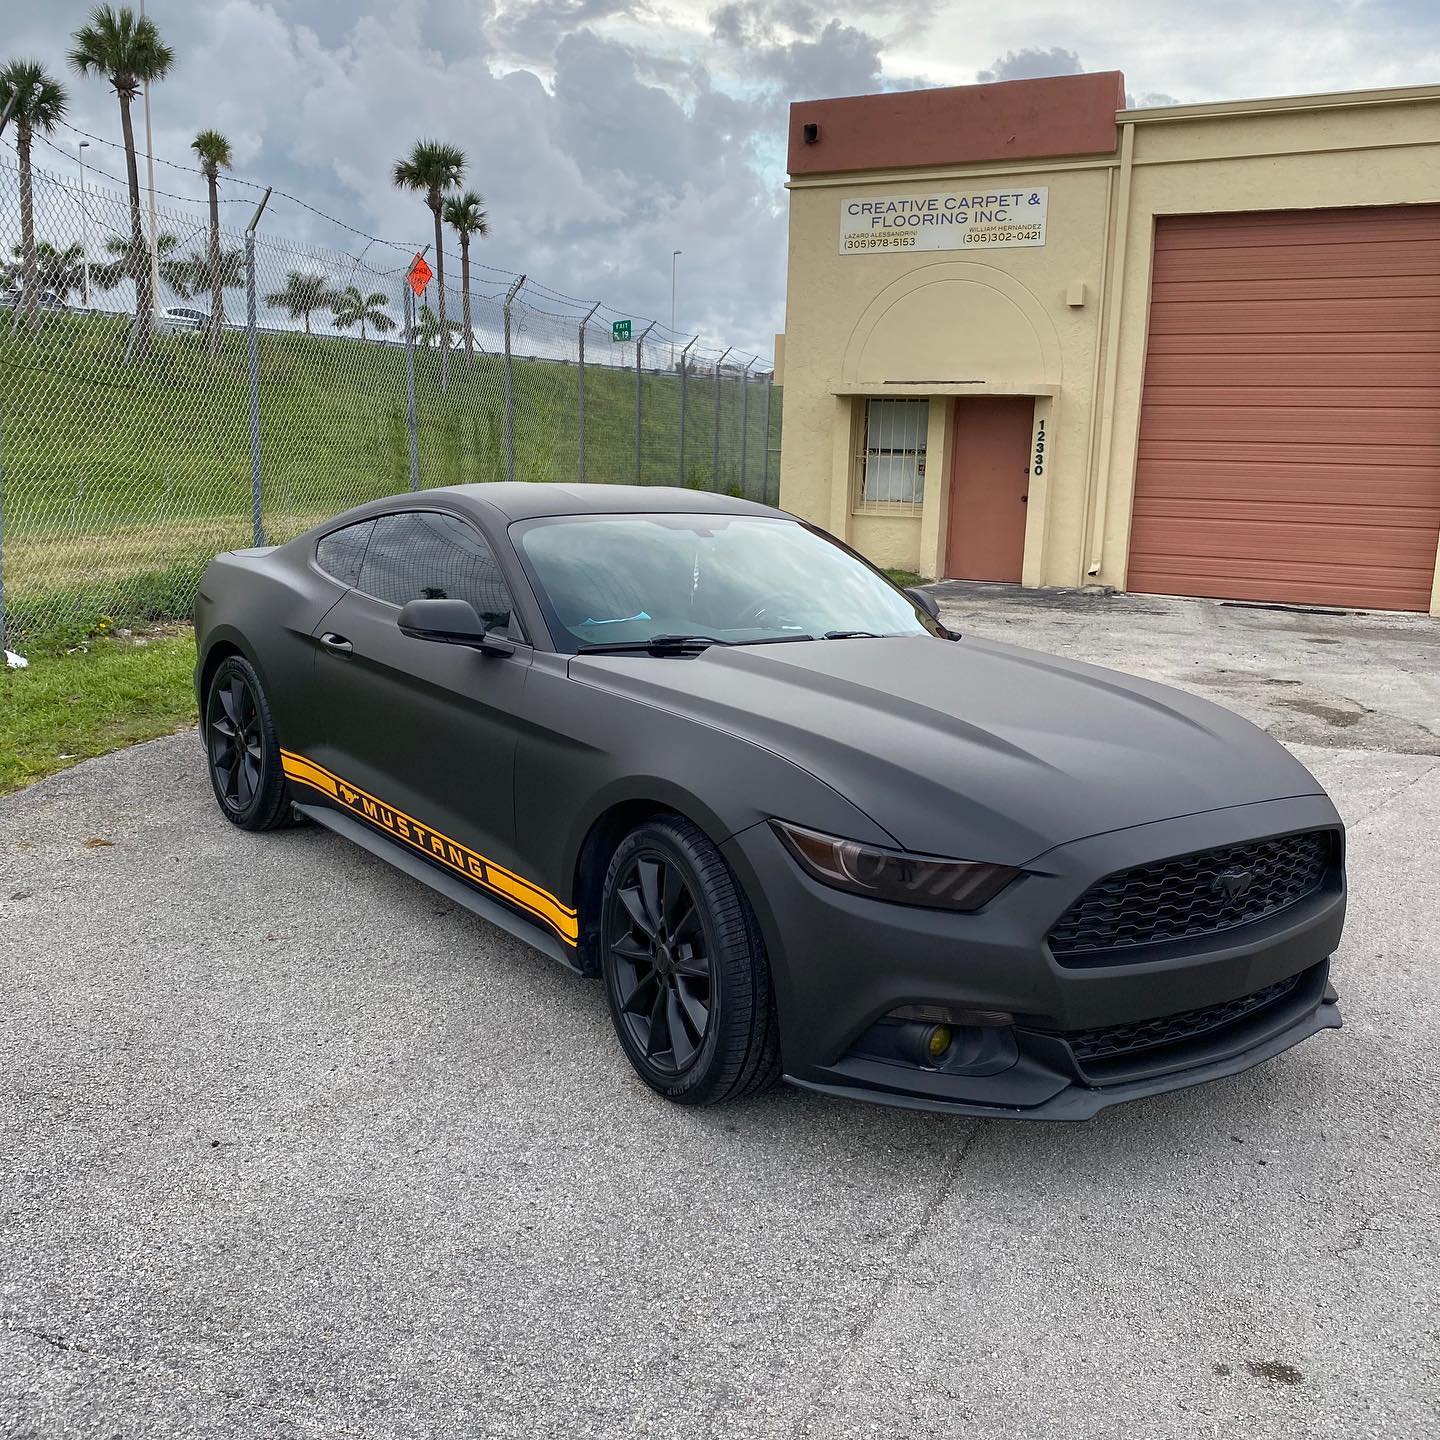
pixel 974 749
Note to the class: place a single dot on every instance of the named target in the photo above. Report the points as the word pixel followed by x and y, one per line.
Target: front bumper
pixel 840 963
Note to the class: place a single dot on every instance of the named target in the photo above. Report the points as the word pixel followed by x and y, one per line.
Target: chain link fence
pixel 282 383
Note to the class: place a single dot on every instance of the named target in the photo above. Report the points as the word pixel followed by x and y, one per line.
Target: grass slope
pixel 121 481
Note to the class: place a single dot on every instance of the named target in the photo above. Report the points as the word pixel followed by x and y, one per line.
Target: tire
pixel 251 794
pixel 685 970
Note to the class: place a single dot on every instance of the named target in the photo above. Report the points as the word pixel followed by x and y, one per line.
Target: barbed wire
pixel 129 458
pixel 506 277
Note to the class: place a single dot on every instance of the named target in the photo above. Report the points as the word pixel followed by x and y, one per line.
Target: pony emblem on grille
pixel 1233 883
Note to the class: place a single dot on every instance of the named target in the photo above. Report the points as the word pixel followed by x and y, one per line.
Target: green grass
pixel 120 482
pixel 66 708
pixel 907 578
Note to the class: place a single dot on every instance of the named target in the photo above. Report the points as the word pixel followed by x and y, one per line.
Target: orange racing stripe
pixel 417 835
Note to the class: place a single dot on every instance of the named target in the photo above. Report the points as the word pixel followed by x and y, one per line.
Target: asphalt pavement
pixel 292 1147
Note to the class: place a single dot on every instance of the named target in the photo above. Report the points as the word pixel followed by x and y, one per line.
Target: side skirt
pixel 451 887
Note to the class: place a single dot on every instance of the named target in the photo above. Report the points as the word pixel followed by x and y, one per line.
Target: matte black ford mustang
pixel 696 747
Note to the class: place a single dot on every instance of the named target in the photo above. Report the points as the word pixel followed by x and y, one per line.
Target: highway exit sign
pixel 620 330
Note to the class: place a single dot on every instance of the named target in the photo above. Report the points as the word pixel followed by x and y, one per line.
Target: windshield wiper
pixel 851 635
pixel 655 645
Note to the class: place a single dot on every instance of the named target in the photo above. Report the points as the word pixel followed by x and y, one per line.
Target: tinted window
pixel 423 555
pixel 739 578
pixel 340 552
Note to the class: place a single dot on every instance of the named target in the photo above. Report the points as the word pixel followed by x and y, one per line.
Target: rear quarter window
pixel 340 553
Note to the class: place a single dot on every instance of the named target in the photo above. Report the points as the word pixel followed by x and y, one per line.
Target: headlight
pixel 892 874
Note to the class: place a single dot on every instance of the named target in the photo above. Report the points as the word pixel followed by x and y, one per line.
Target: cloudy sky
pixel 606 133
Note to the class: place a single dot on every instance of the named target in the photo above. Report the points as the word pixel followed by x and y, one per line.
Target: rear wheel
pixel 685 969
pixel 242 750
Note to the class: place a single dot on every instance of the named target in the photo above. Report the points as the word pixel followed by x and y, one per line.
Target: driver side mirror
pixel 452 622
pixel 926 601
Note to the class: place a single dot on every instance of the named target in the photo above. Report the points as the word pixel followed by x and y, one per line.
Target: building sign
pixel 973 220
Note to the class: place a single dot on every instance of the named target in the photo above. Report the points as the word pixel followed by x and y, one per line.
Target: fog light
pixel 938 1041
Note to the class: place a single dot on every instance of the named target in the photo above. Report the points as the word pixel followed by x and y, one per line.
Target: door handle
pixel 336 644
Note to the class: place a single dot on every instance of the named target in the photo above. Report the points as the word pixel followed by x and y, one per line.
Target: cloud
pixel 754 24
pixel 1031 64
pixel 597 156
pixel 606 133
pixel 531 32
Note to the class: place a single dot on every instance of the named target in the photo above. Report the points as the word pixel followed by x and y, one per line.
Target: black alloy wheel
pixel 686 973
pixel 237 749
pixel 242 749
pixel 661 962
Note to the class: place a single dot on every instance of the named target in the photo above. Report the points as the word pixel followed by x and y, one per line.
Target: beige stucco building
pixel 1033 335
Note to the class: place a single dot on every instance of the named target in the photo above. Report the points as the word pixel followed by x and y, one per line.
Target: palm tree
pixel 465 215
pixel 353 308
pixel 132 262
pixel 129 52
pixel 61 271
pixel 214 152
pixel 211 271
pixel 302 296
pixel 39 106
pixel 428 328
pixel 432 167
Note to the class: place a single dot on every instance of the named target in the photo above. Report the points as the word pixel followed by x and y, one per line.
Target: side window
pixel 340 552
pixel 423 555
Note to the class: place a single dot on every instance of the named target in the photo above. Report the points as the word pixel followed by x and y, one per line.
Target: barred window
pixel 890 465
pixel 424 555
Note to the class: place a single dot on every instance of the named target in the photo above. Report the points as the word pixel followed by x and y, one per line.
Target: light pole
pixel 674 256
pixel 84 226
pixel 150 173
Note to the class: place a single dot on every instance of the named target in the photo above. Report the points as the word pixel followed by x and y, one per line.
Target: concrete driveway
pixel 291 1147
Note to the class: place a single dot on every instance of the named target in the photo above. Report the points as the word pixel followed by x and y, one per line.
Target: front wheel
pixel 242 750
pixel 686 973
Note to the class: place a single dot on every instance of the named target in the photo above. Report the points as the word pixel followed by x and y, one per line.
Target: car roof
pixel 511 501
pixel 518 500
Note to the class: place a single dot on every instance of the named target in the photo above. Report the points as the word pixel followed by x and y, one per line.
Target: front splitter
pixel 1081 1102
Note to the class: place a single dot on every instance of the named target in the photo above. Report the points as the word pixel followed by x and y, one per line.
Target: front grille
pixel 1192 895
pixel 1113 1041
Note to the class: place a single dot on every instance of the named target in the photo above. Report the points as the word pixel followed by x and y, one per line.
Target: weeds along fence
pixel 128 457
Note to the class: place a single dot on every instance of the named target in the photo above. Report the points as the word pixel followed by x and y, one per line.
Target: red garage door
pixel 1290 430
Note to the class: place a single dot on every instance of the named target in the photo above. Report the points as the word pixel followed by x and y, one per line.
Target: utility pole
pixel 84 226
pixel 150 172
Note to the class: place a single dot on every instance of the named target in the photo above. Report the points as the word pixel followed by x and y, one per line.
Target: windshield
pixel 741 579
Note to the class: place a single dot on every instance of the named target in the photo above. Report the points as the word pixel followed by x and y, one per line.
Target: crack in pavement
pixel 889 1280
pixel 58 1342
pixel 1404 790
pixel 1354 1236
